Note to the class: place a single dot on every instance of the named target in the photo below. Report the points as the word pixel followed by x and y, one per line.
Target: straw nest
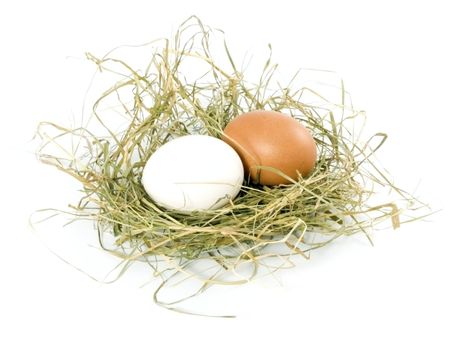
pixel 182 90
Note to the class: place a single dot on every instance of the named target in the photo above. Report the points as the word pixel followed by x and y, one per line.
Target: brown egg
pixel 271 139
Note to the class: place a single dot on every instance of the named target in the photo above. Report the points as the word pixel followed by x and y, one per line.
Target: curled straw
pixel 160 103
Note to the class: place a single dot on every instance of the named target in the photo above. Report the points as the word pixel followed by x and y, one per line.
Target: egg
pixel 275 140
pixel 194 172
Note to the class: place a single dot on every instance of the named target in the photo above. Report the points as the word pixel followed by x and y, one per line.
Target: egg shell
pixel 271 139
pixel 194 172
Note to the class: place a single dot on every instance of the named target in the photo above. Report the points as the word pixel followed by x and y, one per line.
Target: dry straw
pixel 263 226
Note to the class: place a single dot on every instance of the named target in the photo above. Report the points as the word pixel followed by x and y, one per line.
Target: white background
pixel 405 64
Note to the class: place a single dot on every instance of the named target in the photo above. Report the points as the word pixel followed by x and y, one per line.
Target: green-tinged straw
pixel 262 223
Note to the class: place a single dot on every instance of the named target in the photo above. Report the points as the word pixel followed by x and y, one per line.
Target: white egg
pixel 194 172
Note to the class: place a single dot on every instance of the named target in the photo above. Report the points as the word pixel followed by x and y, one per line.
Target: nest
pixel 183 89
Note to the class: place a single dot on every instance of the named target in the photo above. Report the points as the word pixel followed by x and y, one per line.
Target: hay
pixel 263 224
